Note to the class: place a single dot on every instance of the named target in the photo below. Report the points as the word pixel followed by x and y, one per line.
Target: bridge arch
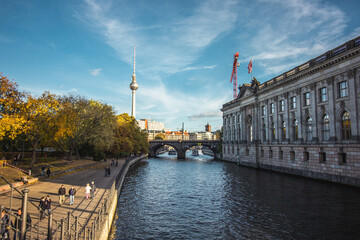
pixel 155 148
pixel 182 146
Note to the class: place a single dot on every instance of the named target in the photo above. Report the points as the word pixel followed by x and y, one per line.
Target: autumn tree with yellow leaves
pixel 71 124
pixel 12 120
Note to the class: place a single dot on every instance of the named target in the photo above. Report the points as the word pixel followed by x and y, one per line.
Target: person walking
pixel 87 191
pixel 47 205
pixel 48 172
pixel 4 234
pixel 17 224
pixel 62 192
pixel 42 208
pixel 93 189
pixel 43 171
pixel 72 192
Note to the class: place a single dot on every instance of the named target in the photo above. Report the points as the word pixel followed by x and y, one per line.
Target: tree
pixel 12 121
pixel 128 136
pixel 94 126
pixel 42 116
pixel 160 136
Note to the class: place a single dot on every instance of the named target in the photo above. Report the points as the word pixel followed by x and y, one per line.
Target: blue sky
pixel 184 49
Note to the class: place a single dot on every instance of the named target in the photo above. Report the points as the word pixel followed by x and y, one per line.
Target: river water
pixel 198 198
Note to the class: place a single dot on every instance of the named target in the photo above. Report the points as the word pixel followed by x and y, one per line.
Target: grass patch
pixel 11 174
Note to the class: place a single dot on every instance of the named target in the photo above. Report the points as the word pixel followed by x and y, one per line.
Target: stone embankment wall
pixel 305 161
pixel 106 228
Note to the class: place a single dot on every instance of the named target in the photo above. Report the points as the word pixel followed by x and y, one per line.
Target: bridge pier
pixel 181 154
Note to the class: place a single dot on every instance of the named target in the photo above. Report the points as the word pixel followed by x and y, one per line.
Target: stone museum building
pixel 305 121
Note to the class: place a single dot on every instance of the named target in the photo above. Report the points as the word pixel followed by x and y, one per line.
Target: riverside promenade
pixel 83 209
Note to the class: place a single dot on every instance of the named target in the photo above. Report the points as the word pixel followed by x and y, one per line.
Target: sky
pixel 184 49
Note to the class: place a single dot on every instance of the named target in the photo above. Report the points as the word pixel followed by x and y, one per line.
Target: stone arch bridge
pixel 181 146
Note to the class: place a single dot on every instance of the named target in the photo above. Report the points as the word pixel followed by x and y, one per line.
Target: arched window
pixel 308 129
pixel 326 127
pixel 296 130
pixel 346 126
pixel 283 131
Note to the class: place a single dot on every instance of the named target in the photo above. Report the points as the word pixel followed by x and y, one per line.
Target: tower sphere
pixel 134 85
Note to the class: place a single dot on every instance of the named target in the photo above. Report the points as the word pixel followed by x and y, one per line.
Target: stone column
pixel 331 109
pixel 353 103
pixel 313 110
pixel 299 114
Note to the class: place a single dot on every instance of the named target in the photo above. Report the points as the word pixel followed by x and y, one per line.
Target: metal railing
pixel 65 228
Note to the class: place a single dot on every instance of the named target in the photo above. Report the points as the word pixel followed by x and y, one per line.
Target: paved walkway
pixel 82 208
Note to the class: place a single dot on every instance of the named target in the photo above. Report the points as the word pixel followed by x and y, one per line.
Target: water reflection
pixel 198 198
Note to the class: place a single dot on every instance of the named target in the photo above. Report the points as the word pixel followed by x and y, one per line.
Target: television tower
pixel 133 86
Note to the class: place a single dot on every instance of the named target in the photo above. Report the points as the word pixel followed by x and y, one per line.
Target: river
pixel 198 198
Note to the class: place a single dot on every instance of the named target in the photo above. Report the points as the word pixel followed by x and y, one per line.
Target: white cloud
pixel 197 68
pixel 289 32
pixel 95 71
pixel 176 44
pixel 205 115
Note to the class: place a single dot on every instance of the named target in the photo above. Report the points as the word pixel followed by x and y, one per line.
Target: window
pixel 247 152
pixel 250 134
pixel 292 155
pixel 282 106
pixel 263 110
pixel 343 89
pixel 283 131
pixel 281 154
pixel 262 152
pixel 264 132
pixel 272 131
pixel 342 158
pixel 322 157
pixel 295 128
pixel 307 99
pixel 272 108
pixel 293 102
pixel 326 127
pixel 308 129
pixel 306 156
pixel 323 94
pixel 270 153
pixel 346 126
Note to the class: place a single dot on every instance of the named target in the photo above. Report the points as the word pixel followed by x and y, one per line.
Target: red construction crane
pixel 234 74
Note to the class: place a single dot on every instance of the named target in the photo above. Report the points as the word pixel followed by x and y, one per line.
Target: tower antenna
pixel 133 86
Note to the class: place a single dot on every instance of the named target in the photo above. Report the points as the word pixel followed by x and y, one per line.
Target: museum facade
pixel 305 121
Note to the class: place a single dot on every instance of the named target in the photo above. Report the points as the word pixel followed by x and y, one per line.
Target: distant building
pixel 176 135
pixel 152 127
pixel 202 136
pixel 208 128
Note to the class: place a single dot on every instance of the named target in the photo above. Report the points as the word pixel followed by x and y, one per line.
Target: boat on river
pixel 172 152
pixel 195 153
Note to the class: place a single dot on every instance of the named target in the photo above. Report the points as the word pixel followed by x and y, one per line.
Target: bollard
pixel 93 231
pixel 50 226
pixel 76 228
pixel 69 225
pixel 24 214
pixel 11 196
pixel 62 230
